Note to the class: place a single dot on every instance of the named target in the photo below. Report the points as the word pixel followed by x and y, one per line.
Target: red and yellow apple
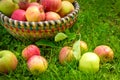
pixel 51 5
pixel 69 0
pixel 35 14
pixel 89 62
pixel 30 51
pixel 37 64
pixel 66 55
pixel 104 52
pixel 8 61
pixel 19 14
pixel 66 8
pixel 51 15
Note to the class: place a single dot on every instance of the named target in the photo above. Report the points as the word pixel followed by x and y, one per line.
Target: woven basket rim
pixel 70 15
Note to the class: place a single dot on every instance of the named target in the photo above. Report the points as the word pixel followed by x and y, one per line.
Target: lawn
pixel 98 23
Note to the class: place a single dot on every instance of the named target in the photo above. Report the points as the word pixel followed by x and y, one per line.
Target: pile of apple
pixel 42 10
pixel 89 61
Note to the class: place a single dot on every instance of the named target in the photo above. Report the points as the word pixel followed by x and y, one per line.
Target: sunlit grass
pixel 98 23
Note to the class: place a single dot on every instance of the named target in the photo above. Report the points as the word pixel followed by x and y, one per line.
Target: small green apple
pixel 8 61
pixel 7 7
pixel 66 8
pixel 89 62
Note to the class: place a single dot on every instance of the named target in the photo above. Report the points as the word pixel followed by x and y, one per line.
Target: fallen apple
pixel 66 55
pixel 104 52
pixel 8 61
pixel 83 46
pixel 19 14
pixel 89 62
pixel 29 51
pixel 37 64
pixel 35 13
pixel 52 15
pixel 66 8
pixel 51 5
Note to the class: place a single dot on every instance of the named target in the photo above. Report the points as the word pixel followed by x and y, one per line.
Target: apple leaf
pixel 76 49
pixel 60 36
pixel 45 43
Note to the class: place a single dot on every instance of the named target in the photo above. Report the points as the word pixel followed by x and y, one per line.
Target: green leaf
pixel 60 36
pixel 76 49
pixel 45 43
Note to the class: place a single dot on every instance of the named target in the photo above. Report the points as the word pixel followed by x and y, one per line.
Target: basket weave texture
pixel 24 30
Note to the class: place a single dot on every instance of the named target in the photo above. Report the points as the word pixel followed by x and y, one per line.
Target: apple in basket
pixel 8 61
pixel 69 0
pixel 37 64
pixel 52 15
pixel 104 52
pixel 89 62
pixel 51 5
pixel 29 51
pixel 7 7
pixel 19 14
pixel 35 13
pixel 66 9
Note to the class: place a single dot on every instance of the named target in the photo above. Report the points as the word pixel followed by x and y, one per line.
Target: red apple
pixel 19 14
pixel 104 52
pixel 66 8
pixel 29 51
pixel 8 61
pixel 83 46
pixel 51 15
pixel 33 4
pixel 51 5
pixel 37 64
pixel 23 5
pixel 35 13
pixel 66 55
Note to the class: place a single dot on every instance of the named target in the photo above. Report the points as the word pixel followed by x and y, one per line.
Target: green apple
pixel 7 7
pixel 66 8
pixel 89 62
pixel 8 61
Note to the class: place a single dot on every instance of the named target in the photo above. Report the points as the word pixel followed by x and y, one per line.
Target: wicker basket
pixel 24 30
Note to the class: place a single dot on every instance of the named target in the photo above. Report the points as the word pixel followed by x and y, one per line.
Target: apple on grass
pixel 51 5
pixel 66 8
pixel 30 51
pixel 104 52
pixel 89 62
pixel 35 13
pixel 66 55
pixel 19 14
pixel 83 46
pixel 52 15
pixel 8 61
pixel 37 64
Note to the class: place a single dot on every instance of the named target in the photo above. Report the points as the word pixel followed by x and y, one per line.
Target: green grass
pixel 98 23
